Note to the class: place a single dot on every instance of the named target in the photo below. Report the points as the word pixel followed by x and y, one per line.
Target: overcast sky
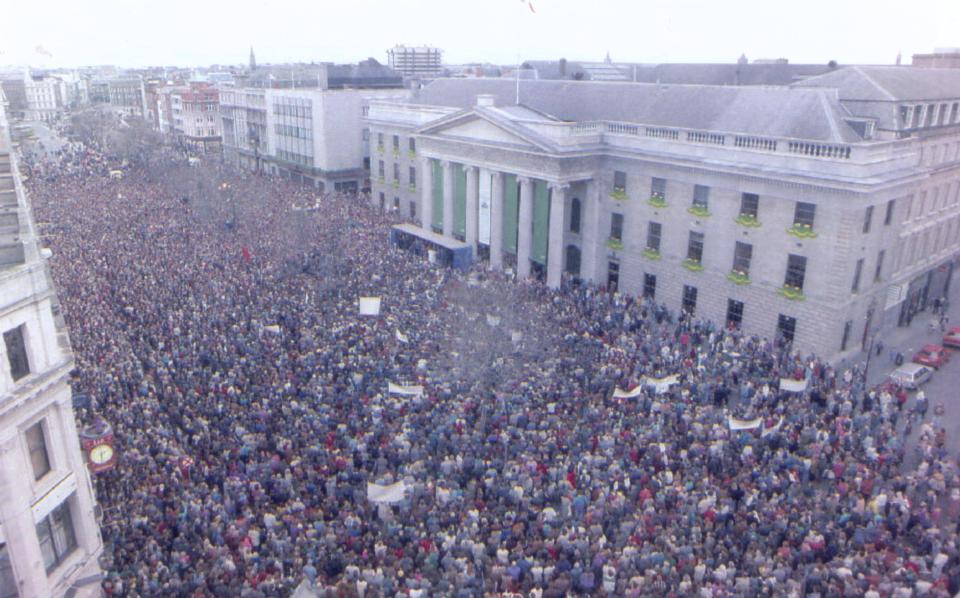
pixel 201 32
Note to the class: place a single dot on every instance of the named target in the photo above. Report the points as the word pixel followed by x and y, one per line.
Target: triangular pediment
pixel 477 127
pixel 482 130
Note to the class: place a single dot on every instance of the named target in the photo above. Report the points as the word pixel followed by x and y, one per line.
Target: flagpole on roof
pixel 518 80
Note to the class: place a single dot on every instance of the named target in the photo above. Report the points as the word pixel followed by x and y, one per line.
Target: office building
pixel 416 62
pixel 820 213
pixel 49 539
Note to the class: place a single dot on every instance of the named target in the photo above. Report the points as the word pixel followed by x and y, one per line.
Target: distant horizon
pixel 37 66
pixel 60 34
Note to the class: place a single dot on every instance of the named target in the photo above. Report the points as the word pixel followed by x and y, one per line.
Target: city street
pixel 942 388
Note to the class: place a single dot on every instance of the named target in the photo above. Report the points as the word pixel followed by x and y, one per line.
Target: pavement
pixel 943 388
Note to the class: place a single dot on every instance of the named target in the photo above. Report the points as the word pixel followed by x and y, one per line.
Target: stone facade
pixel 49 539
pixel 874 215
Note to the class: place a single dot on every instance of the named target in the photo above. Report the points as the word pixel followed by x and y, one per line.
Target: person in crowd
pixel 216 327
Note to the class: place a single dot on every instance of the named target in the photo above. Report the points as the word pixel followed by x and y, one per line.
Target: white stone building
pixel 314 136
pixel 417 62
pixel 820 214
pixel 49 539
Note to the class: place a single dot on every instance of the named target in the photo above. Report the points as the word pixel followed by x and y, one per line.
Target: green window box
pixel 619 194
pixel 802 231
pixel 616 244
pixel 747 220
pixel 699 211
pixel 692 265
pixel 792 293
pixel 657 201
pixel 738 277
pixel 651 254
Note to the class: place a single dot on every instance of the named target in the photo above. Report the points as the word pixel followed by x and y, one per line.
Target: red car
pixel 931 355
pixel 952 338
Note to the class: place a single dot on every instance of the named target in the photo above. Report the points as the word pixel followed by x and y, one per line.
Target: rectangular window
pixel 619 180
pixel 658 188
pixel 856 276
pixel 575 215
pixel 37 447
pixel 413 209
pixel 396 203
pixel 412 144
pixel 796 271
pixel 650 286
pixel 879 271
pixel 396 142
pixel 734 313
pixel 616 226
pixel 742 256
pixel 396 171
pixel 867 219
pixel 56 535
pixel 695 247
pixel 786 328
pixel 803 214
pixel 380 168
pixel 16 352
pixel 689 299
pixel 750 205
pixel 701 196
pixel 413 176
pixel 380 139
pixel 653 236
pixel 847 328
pixel 8 583
pixel 889 215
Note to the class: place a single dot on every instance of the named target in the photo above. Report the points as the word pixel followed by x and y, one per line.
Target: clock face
pixel 101 453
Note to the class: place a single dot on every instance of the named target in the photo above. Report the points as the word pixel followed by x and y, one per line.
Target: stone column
pixel 447 199
pixel 589 240
pixel 473 197
pixel 558 198
pixel 525 228
pixel 84 517
pixel 426 194
pixel 496 222
pixel 19 529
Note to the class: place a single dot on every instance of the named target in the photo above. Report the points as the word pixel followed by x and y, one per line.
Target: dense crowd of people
pixel 214 317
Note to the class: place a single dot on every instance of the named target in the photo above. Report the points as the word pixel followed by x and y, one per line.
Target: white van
pixel 911 375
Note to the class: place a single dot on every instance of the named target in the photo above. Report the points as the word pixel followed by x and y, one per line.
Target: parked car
pixel 932 355
pixel 952 338
pixel 911 375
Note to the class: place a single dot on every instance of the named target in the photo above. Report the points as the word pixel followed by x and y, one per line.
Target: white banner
pixel 369 306
pixel 662 385
pixel 389 494
pixel 402 337
pixel 634 392
pixel 791 385
pixel 772 429
pixel 745 424
pixel 408 391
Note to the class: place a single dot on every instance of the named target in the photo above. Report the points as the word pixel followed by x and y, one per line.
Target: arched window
pixel 575 215
pixel 573 260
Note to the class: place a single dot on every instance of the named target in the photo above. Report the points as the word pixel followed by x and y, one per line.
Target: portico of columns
pixel 525 220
